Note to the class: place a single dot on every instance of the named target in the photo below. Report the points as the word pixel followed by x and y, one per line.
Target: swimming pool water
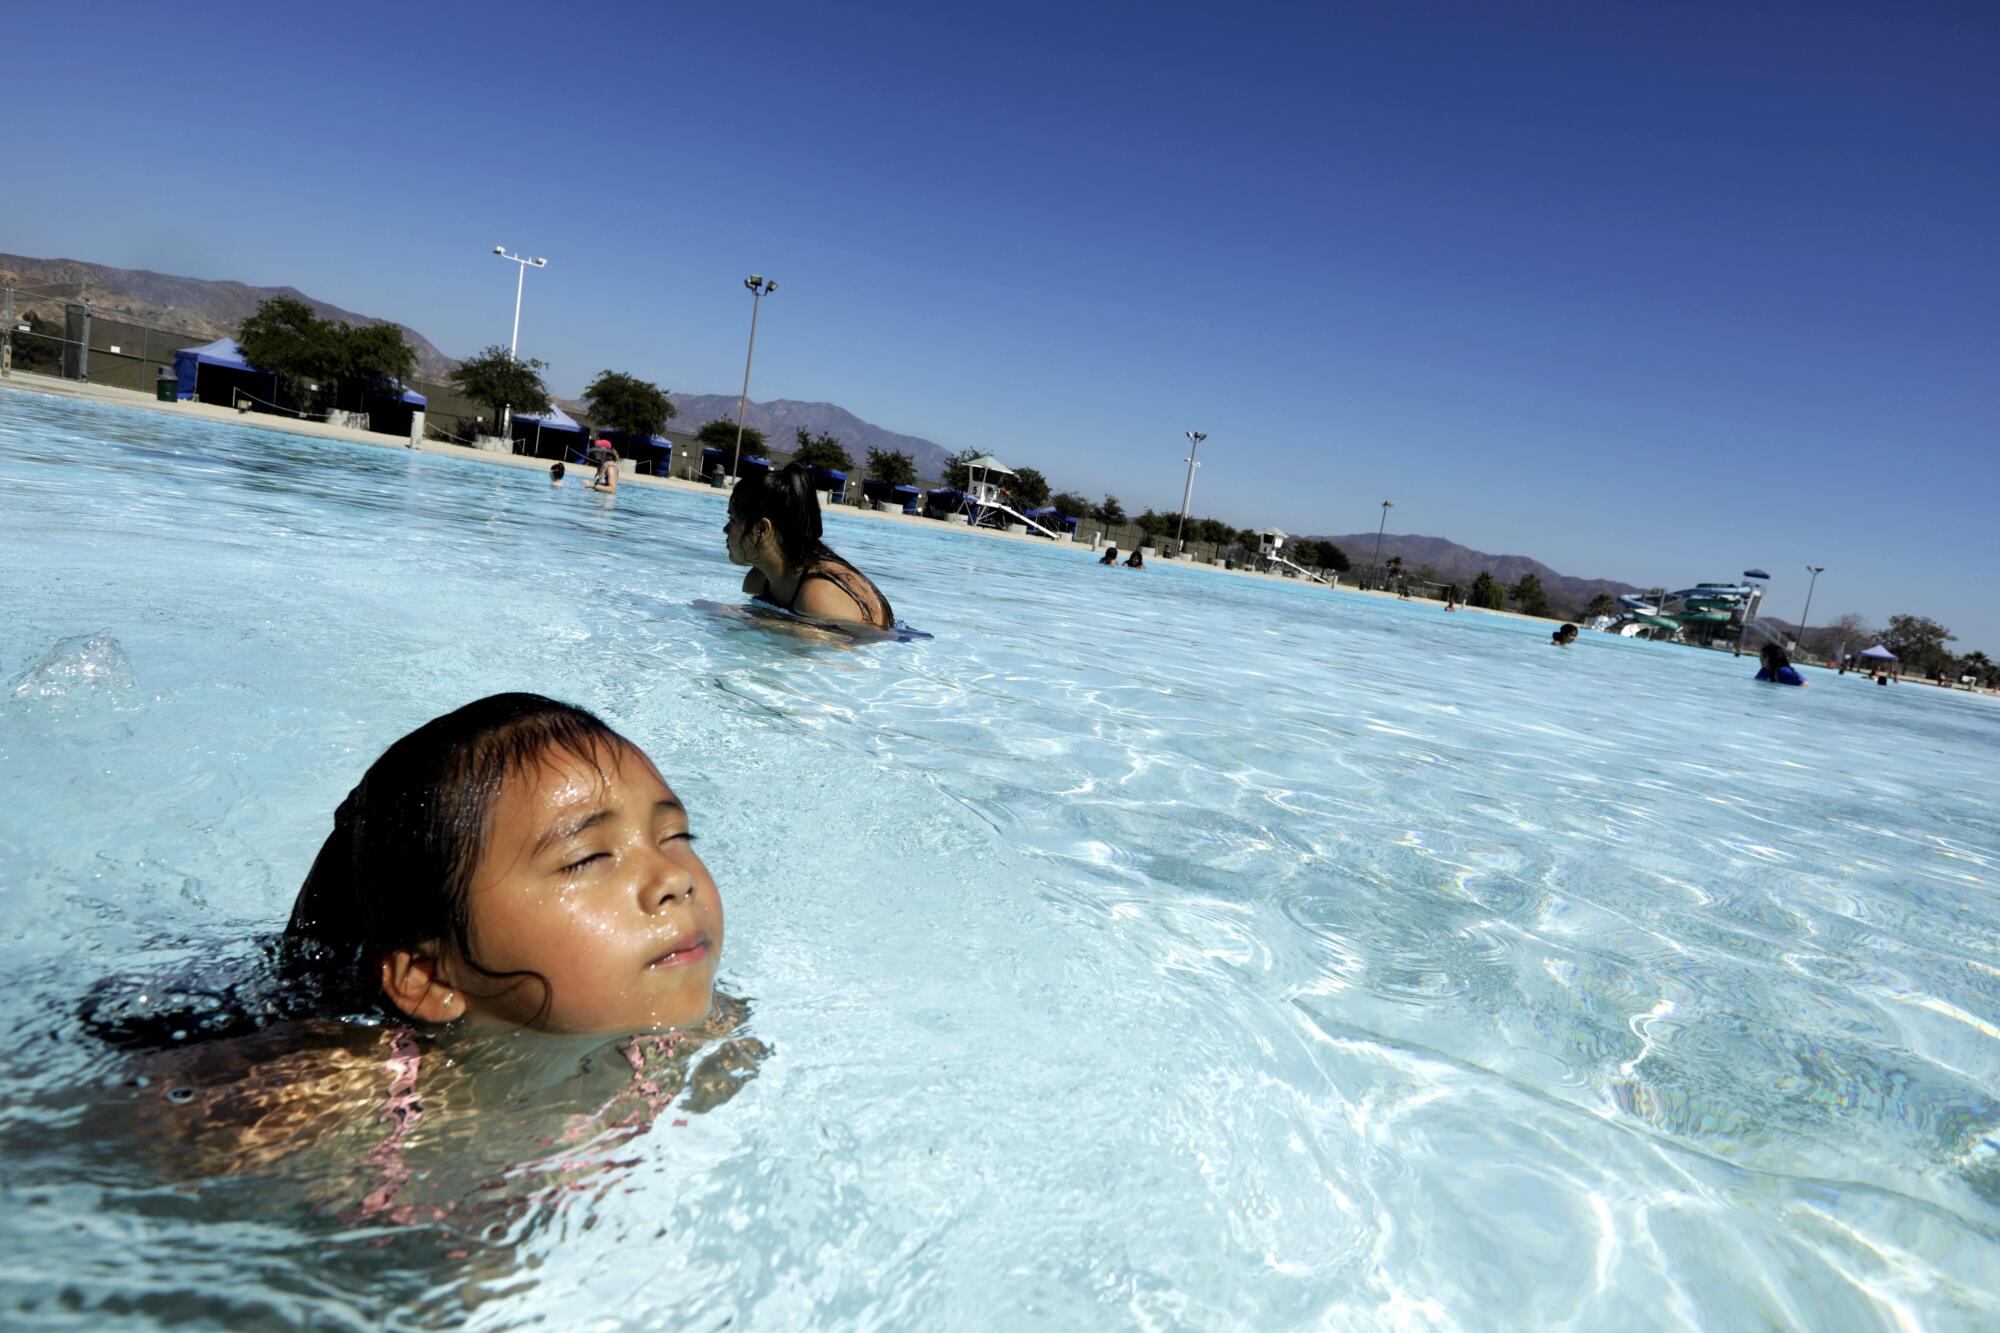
pixel 1153 949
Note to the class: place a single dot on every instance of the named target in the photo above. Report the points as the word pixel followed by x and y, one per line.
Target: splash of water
pixel 82 664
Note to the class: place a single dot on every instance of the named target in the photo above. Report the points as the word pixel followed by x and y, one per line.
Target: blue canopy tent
pixel 227 370
pixel 831 480
pixel 551 434
pixel 714 460
pixel 881 492
pixel 391 406
pixel 1051 517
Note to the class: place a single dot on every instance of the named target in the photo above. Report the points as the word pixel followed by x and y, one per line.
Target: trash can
pixel 166 388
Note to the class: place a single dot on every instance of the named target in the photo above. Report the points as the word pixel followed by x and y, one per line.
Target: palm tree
pixel 1977 665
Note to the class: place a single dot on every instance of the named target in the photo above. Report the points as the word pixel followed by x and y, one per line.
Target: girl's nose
pixel 667 881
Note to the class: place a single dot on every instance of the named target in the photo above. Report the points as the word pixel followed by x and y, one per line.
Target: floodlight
pixel 499 249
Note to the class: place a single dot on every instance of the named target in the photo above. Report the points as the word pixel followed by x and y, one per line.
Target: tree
pixel 1155 525
pixel 1978 666
pixel 1071 505
pixel 1919 643
pixel 891 467
pixel 721 434
pixel 1600 605
pixel 627 404
pixel 1394 566
pixel 38 347
pixel 1110 513
pixel 1528 595
pixel 373 353
pixel 1030 487
pixel 821 450
pixel 1303 551
pixel 1487 592
pixel 285 337
pixel 498 379
pixel 1848 633
pixel 1333 558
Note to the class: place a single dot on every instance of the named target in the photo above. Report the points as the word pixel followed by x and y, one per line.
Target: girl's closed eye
pixel 574 866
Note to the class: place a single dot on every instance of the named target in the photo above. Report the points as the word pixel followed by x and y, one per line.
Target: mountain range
pixel 201 307
pixel 207 308
pixel 1461 565
pixel 780 418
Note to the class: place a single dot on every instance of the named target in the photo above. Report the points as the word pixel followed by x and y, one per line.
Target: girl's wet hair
pixel 787 499
pixel 1774 657
pixel 395 873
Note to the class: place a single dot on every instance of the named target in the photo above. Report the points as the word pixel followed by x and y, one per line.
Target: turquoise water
pixel 1153 949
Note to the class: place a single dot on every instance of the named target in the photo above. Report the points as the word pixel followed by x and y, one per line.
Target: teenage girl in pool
pixel 1110 556
pixel 1777 668
pixel 774 527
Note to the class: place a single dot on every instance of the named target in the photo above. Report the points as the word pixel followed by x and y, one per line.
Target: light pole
pixel 1195 437
pixel 514 342
pixel 1815 571
pixel 758 288
pixel 1375 566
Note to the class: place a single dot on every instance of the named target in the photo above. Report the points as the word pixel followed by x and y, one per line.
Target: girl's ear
pixel 414 983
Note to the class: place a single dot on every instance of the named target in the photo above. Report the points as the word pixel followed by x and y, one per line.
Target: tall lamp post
pixel 1195 437
pixel 1375 566
pixel 1815 571
pixel 758 289
pixel 514 342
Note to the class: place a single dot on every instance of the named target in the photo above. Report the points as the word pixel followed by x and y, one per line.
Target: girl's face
pixel 589 878
pixel 748 540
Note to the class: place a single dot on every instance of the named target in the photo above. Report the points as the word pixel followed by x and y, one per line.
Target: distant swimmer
pixel 1564 637
pixel 1137 560
pixel 1110 556
pixel 1777 668
pixel 555 474
pixel 607 469
pixel 774 527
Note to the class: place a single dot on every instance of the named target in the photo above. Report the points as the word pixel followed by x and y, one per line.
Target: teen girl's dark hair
pixel 1774 657
pixel 786 498
pixel 396 872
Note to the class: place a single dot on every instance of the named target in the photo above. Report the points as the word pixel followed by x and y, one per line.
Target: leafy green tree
pixel 1487 592
pixel 372 353
pixel 285 337
pixel 496 378
pixel 1333 558
pixel 821 450
pixel 626 404
pixel 1527 595
pixel 1919 643
pixel 1978 666
pixel 1071 505
pixel 1600 605
pixel 721 434
pixel 1303 551
pixel 38 347
pixel 1110 512
pixel 1030 487
pixel 892 467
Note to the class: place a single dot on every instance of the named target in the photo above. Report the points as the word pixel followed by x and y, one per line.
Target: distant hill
pixel 781 417
pixel 203 308
pixel 1461 565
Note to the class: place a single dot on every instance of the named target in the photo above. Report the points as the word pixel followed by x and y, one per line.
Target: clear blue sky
pixel 1647 291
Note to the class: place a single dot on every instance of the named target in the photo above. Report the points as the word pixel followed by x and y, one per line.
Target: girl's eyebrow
pixel 571 828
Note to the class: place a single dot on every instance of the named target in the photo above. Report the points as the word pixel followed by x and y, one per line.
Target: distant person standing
pixel 607 468
pixel 1778 668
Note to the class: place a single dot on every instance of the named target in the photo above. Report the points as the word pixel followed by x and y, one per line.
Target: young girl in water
pixel 774 527
pixel 513 865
